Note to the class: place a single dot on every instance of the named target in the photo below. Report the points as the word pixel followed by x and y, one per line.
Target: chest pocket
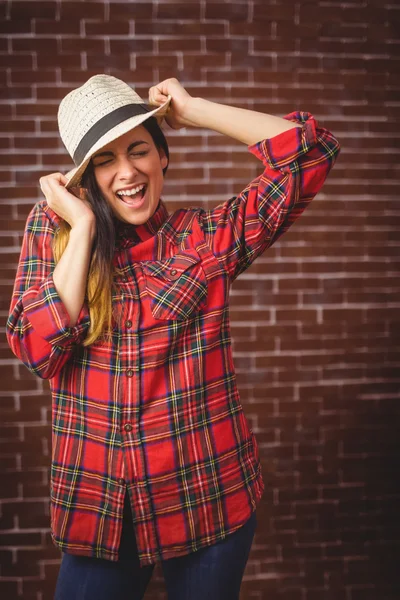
pixel 177 286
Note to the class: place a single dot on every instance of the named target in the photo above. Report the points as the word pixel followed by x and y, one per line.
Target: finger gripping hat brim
pixel 96 114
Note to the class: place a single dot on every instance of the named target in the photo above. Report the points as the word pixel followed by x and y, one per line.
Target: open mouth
pixel 134 196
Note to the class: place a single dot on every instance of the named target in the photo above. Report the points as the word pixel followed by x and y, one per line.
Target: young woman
pixel 124 308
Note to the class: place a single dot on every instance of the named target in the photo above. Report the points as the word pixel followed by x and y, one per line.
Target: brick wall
pixel 315 319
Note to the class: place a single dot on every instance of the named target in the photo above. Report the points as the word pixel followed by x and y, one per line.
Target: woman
pixel 124 308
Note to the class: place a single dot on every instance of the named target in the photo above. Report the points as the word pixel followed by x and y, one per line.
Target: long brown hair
pixel 101 270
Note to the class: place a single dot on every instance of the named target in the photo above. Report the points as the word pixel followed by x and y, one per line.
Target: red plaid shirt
pixel 157 412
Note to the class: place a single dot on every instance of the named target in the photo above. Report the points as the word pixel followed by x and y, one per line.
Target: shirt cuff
pixel 288 146
pixel 49 318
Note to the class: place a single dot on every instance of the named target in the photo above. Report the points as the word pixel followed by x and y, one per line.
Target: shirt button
pixel 173 272
pixel 121 481
pixel 129 373
pixel 124 279
pixel 128 324
pixel 128 427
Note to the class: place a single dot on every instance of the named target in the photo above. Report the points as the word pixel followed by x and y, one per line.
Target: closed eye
pixel 105 162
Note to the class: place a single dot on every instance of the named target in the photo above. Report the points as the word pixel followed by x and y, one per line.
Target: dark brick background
pixel 315 320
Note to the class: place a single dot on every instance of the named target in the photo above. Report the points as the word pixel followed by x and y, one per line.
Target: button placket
pixel 130 389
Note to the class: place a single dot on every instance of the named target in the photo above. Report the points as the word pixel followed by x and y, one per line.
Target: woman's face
pixel 129 173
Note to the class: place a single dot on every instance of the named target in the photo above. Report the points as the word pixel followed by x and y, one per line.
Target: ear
pixel 163 158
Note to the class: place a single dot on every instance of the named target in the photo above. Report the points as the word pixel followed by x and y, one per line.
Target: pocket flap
pixel 172 268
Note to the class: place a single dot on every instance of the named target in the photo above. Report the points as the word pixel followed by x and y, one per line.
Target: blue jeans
pixel 213 573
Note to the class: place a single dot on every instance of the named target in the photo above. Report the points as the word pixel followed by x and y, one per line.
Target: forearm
pixel 244 125
pixel 71 273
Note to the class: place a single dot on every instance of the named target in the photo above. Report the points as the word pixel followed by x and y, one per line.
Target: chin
pixel 137 220
pixel 135 216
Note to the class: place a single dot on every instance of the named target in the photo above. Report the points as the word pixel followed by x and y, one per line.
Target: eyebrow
pixel 130 147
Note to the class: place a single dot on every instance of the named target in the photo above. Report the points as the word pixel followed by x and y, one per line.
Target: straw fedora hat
pixel 97 113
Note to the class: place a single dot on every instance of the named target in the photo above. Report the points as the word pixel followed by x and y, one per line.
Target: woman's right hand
pixel 73 209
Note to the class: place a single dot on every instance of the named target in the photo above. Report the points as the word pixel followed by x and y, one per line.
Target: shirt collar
pixel 129 235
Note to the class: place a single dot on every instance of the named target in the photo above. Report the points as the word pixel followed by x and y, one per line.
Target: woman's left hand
pixel 158 94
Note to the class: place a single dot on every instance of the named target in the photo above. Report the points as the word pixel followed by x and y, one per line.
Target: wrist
pixel 84 228
pixel 192 112
pixel 208 115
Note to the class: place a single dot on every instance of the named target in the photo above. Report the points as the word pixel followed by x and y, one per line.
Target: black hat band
pixel 104 125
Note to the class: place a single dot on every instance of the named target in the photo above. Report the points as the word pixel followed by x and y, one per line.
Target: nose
pixel 126 169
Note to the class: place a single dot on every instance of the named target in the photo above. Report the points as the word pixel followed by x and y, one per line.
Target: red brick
pixel 75 46
pixel 181 29
pixel 105 28
pixel 56 161
pixel 3 9
pixel 48 93
pixel 119 47
pixel 27 10
pixel 46 61
pixel 75 77
pixel 264 76
pixel 19 61
pixel 220 75
pixel 258 27
pixel 9 589
pixel 36 109
pixel 45 552
pixel 49 126
pixel 20 160
pixel 99 61
pixel 10 432
pixel 16 93
pixel 122 11
pixel 47 45
pixel 37 142
pixel 149 62
pixel 19 539
pixel 62 27
pixel 231 12
pixel 238 45
pixel 15 26
pixel 205 60
pixel 9 568
pixel 179 11
pixel 266 44
pixel 78 10
pixel 36 515
pixel 36 77
pixel 179 45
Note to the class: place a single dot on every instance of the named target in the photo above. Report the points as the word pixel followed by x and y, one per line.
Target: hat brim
pixel 74 176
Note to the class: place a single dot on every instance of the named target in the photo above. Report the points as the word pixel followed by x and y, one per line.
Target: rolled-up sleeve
pixel 296 164
pixel 38 330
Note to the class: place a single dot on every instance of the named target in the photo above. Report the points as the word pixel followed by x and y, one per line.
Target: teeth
pixel 132 192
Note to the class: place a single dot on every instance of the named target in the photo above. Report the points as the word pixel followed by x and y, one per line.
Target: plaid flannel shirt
pixel 156 412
